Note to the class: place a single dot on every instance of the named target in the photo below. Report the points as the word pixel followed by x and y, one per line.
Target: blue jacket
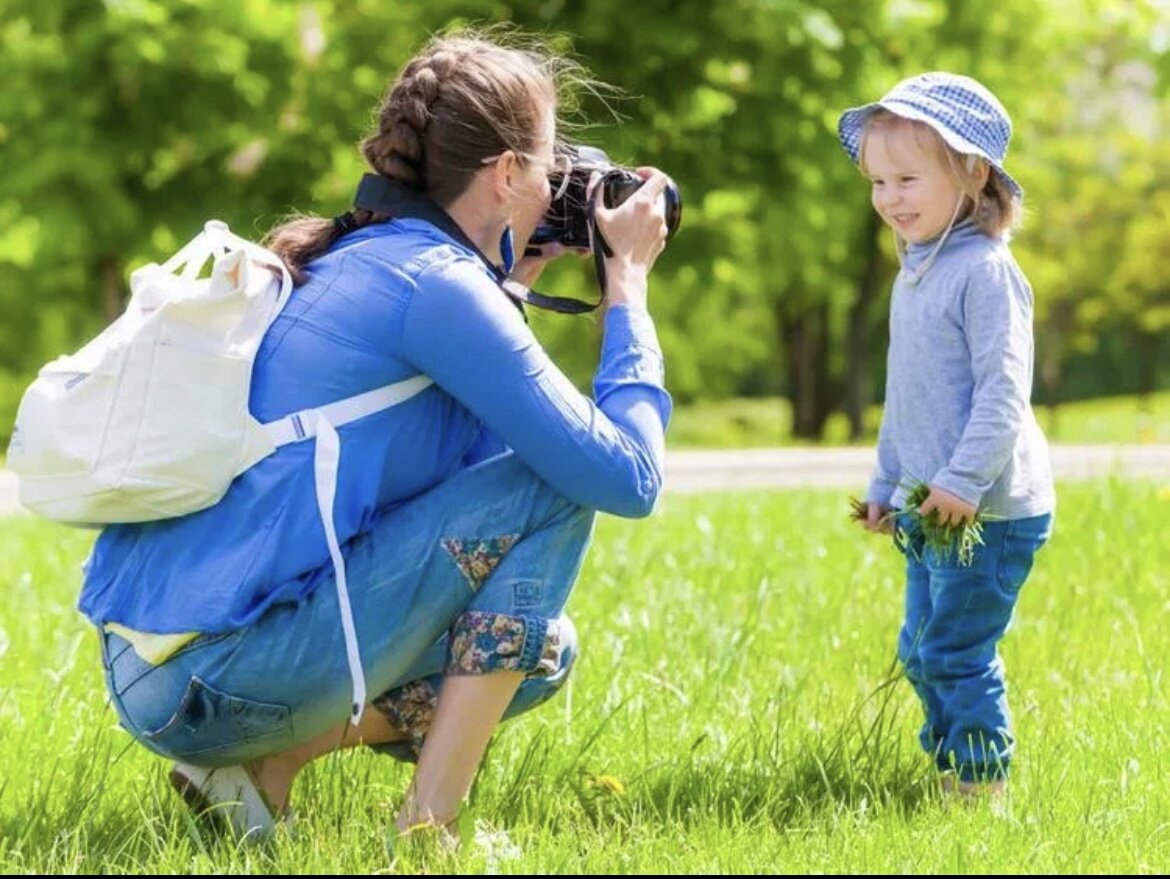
pixel 388 302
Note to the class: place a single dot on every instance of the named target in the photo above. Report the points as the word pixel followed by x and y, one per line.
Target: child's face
pixel 913 189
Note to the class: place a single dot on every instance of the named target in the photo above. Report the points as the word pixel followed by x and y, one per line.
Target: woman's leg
pixel 280 689
pixel 410 706
pixel 404 716
pixel 512 630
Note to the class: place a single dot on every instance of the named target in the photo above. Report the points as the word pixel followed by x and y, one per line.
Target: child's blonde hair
pixel 994 208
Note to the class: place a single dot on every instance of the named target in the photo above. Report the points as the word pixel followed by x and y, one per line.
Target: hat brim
pixel 852 121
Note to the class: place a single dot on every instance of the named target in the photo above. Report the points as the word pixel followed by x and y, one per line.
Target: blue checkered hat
pixel 965 114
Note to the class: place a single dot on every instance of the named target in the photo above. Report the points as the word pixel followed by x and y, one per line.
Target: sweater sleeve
pixel 997 321
pixel 462 331
pixel 887 471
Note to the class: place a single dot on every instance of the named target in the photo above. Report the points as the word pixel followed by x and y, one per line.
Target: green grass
pixel 767 421
pixel 735 681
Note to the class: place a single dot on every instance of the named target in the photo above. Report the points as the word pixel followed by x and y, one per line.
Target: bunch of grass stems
pixel 946 540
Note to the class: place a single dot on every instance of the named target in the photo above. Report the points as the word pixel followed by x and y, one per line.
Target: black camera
pixel 569 216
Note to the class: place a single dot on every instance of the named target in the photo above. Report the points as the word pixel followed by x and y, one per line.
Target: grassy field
pixel 766 421
pixel 734 710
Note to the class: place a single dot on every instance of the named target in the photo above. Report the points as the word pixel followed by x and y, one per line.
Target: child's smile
pixel 914 192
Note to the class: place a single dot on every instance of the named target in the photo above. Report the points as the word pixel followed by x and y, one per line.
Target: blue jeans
pixel 468 578
pixel 948 645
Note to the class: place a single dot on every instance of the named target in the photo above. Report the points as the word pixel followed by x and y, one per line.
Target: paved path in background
pixel 827 467
pixel 851 467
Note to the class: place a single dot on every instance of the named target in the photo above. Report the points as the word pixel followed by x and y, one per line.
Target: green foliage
pixel 125 124
pixel 957 541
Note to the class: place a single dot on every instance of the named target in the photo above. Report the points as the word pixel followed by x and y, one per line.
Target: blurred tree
pixel 124 124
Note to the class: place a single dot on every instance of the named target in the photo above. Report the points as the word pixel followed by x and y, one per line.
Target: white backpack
pixel 150 419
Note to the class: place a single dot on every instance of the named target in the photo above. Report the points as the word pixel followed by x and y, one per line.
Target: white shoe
pixel 227 796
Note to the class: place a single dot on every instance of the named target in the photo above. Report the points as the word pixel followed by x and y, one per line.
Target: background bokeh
pixel 125 124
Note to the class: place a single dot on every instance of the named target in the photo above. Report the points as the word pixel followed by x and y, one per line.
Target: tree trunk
pixel 1147 345
pixel 858 387
pixel 810 388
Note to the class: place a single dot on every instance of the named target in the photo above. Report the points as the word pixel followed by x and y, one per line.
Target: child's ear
pixel 980 168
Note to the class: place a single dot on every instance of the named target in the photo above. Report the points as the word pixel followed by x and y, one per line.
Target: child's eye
pixel 907 179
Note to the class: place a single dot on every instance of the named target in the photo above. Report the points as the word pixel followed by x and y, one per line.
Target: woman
pixel 462 514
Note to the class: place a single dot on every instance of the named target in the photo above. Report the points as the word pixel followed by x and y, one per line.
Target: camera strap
pixel 386 197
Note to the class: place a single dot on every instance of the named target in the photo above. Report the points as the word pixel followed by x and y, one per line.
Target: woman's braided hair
pixel 461 100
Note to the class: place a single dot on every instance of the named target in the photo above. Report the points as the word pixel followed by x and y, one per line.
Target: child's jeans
pixel 955 617
pixel 469 578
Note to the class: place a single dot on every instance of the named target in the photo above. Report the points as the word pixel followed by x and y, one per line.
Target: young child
pixel 957 413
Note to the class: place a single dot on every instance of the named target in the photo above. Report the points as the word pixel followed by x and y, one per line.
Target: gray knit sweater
pixel 959 381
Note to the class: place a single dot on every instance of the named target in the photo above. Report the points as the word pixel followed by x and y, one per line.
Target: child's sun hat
pixel 966 115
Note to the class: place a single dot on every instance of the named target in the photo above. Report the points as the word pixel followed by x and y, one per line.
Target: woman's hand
pixel 528 268
pixel 636 233
pixel 951 510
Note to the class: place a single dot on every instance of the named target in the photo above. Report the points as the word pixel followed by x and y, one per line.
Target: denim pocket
pixel 125 668
pixel 907 537
pixel 1022 541
pixel 209 720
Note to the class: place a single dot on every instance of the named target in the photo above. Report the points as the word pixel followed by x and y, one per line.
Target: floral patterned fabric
pixel 410 709
pixel 477 557
pixel 485 642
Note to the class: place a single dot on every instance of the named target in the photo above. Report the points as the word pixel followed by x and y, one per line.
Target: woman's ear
pixel 503 169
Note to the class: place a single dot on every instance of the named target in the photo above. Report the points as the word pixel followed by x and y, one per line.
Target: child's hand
pixel 951 510
pixel 872 516
pixel 877 519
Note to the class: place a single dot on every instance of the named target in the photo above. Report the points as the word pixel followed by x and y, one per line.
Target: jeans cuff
pixel 484 642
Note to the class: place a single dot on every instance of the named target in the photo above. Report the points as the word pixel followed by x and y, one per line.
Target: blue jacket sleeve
pixel 462 331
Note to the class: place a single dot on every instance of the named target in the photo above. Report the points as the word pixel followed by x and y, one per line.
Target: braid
pixel 398 150
pixel 459 102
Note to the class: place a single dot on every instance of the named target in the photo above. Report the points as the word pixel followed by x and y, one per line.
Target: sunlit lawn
pixel 767 421
pixel 730 713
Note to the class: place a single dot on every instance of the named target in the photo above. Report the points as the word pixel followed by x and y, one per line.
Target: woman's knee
pixel 537 689
pixel 483 642
pixel 507 480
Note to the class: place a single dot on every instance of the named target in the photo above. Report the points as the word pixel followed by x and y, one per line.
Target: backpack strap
pixel 303 425
pixel 322 423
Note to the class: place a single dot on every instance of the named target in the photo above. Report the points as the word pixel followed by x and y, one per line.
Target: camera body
pixel 569 216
